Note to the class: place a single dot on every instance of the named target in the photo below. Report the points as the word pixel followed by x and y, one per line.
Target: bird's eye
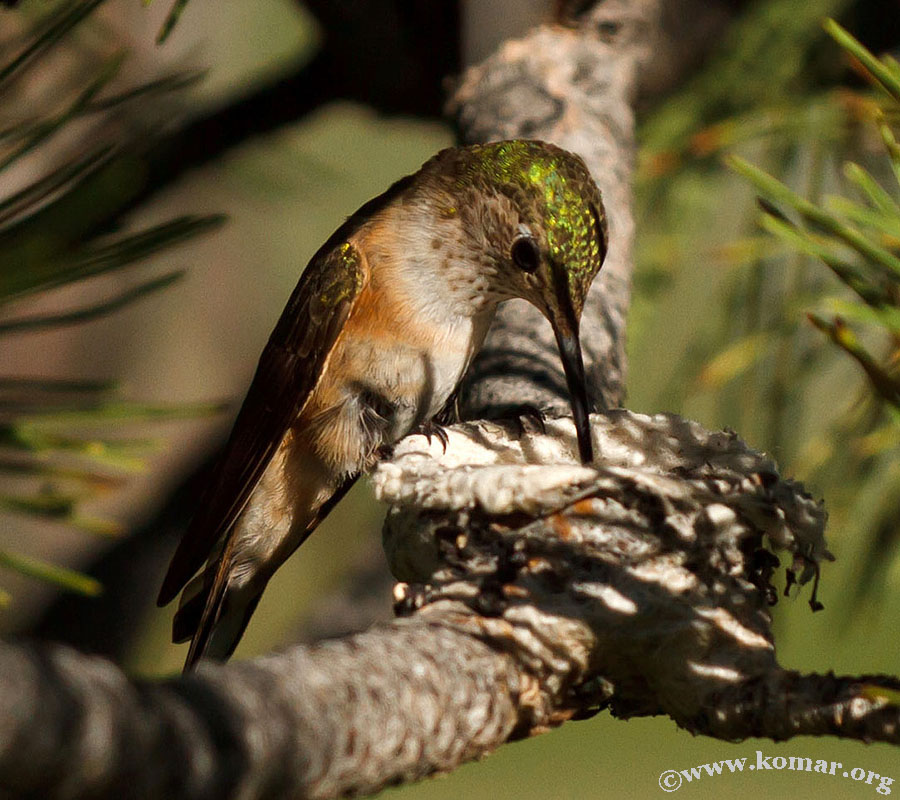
pixel 525 253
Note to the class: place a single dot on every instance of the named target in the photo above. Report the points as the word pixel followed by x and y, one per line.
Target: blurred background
pixel 159 200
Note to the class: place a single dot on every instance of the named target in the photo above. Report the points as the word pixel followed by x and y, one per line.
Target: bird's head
pixel 534 217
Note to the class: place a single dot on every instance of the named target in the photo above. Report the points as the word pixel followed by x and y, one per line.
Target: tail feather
pixel 190 609
pixel 215 607
pixel 218 639
pixel 224 636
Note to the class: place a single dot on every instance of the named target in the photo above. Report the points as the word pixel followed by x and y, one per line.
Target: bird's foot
pixel 519 414
pixel 385 452
pixel 432 430
pixel 449 414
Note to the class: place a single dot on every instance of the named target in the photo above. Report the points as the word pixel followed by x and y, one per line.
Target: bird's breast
pixel 390 371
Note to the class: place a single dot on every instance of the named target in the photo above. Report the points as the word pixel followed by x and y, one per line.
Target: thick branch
pixel 343 716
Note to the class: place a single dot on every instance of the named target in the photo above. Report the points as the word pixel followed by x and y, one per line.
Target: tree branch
pixel 315 722
pixel 537 590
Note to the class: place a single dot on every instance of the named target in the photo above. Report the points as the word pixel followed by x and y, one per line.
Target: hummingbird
pixel 372 344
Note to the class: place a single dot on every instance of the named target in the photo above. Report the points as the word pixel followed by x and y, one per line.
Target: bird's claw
pixel 432 430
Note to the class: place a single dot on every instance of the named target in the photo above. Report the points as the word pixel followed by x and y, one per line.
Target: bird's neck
pixel 422 256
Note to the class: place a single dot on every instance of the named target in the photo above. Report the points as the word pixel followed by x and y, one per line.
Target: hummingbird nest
pixel 642 582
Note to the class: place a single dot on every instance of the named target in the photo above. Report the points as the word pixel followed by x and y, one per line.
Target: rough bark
pixel 318 721
pixel 535 589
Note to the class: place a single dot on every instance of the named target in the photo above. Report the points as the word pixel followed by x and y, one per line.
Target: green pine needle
pixel 51 506
pixel 117 412
pixel 166 85
pixel 61 577
pixel 824 250
pixel 35 193
pixel 885 317
pixel 891 145
pixel 59 24
pixel 175 12
pixel 89 313
pixel 43 271
pixel 43 130
pixel 883 73
pixel 884 384
pixel 872 190
pixel 878 221
pixel 44 471
pixel 779 193
pixel 54 385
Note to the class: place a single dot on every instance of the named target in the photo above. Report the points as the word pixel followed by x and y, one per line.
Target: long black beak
pixel 566 331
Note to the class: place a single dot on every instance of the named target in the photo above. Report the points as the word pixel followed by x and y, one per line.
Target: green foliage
pixel 61 436
pixel 858 241
pixel 813 148
pixel 171 20
pixel 733 99
pixel 55 28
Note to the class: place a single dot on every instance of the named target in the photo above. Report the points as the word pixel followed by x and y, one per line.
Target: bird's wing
pixel 288 371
